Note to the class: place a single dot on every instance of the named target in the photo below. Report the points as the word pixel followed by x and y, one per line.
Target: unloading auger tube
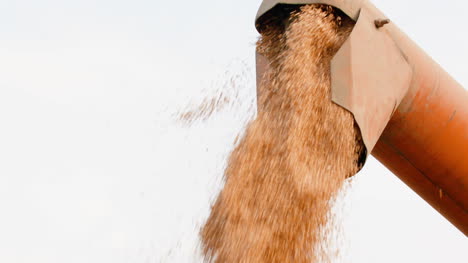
pixel 412 115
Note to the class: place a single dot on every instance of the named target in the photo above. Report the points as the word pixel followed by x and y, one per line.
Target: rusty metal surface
pixel 425 142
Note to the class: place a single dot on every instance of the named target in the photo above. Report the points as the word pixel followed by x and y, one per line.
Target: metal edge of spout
pixel 351 8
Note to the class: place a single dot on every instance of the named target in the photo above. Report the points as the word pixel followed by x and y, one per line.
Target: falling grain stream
pixel 284 174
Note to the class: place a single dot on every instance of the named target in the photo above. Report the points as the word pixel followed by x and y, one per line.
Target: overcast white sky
pixel 93 168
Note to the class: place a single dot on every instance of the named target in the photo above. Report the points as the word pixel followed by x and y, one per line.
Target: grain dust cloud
pixel 282 177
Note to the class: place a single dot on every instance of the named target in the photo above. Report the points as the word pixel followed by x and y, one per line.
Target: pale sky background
pixel 94 168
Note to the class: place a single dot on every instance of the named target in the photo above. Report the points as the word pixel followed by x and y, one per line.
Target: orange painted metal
pixel 425 142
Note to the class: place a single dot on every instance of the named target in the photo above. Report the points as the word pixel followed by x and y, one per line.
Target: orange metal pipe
pixel 425 142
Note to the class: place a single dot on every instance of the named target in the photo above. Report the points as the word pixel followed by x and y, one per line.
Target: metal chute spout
pixel 352 86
